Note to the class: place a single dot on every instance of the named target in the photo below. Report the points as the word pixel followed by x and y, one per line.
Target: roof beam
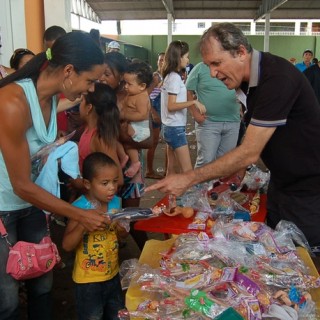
pixel 168 4
pixel 268 6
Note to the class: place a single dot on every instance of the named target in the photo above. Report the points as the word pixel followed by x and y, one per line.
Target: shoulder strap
pixel 3 230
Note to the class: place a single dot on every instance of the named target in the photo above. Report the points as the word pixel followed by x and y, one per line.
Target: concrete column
pixel 34 24
pixel 252 28
pixel 297 27
pixel 170 21
pixel 266 33
pixel 309 28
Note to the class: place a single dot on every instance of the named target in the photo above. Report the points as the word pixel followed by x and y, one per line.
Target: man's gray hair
pixel 229 36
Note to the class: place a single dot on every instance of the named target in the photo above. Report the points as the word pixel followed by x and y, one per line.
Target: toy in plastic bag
pixel 128 270
pixel 133 214
pixel 289 229
pixel 39 159
pixel 199 302
pixel 226 206
pixel 256 179
pixel 197 198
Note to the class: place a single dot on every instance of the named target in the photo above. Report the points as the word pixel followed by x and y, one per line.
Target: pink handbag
pixel 30 260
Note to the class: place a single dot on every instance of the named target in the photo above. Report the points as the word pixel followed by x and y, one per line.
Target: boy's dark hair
pixel 94 162
pixel 53 33
pixel 142 70
pixel 95 35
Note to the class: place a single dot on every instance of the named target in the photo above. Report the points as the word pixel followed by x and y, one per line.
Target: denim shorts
pixel 175 137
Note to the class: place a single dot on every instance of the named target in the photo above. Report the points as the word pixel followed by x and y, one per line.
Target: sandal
pixel 153 176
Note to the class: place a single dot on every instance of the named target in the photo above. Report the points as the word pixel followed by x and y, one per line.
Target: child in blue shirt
pixel 96 268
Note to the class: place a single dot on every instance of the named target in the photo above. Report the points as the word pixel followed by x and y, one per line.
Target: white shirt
pixel 173 84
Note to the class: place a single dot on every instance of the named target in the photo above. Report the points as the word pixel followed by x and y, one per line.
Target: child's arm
pixel 73 235
pixel 138 108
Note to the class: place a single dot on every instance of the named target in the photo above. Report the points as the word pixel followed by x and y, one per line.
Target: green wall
pixel 284 46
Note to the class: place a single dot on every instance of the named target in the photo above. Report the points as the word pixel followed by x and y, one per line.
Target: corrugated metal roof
pixel 207 9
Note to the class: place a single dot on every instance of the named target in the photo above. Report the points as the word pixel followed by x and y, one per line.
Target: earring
pixel 63 83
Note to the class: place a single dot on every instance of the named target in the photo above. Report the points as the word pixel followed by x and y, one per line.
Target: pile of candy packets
pixel 247 271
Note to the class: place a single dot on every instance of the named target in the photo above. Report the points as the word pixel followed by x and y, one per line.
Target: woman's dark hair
pixel 142 71
pixel 104 102
pixel 93 162
pixel 175 51
pixel 18 54
pixel 116 61
pixel 76 48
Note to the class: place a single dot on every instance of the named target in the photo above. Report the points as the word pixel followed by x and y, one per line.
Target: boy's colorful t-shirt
pixel 97 254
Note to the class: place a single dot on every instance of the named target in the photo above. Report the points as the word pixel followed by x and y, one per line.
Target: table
pixel 178 224
pixel 151 256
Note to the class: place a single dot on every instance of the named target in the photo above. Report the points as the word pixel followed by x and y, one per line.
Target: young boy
pixel 96 268
pixel 135 111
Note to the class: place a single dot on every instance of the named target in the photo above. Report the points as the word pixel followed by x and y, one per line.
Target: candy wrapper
pixel 254 204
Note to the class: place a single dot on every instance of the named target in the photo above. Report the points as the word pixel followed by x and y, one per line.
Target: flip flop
pixel 154 176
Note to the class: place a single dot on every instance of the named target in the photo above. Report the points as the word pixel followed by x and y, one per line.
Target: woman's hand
pixel 202 109
pixel 93 220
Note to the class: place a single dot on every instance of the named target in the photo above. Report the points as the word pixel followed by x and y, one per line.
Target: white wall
pixel 12 28
pixel 57 12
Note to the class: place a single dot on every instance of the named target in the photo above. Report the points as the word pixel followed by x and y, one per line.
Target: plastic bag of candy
pixel 255 179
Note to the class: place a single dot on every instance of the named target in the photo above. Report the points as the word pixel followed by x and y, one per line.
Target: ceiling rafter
pixel 204 9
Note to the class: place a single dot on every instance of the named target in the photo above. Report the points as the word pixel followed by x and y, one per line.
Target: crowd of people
pixel 120 107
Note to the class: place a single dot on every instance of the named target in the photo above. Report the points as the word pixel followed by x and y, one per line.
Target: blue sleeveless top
pixel 37 136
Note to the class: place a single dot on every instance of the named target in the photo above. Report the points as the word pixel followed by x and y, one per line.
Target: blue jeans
pixel 99 300
pixel 175 137
pixel 214 139
pixel 28 225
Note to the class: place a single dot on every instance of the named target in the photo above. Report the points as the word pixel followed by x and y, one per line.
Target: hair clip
pixel 49 54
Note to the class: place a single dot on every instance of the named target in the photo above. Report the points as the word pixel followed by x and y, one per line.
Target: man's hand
pixel 175 184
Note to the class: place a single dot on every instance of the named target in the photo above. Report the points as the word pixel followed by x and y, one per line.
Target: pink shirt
pixel 85 145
